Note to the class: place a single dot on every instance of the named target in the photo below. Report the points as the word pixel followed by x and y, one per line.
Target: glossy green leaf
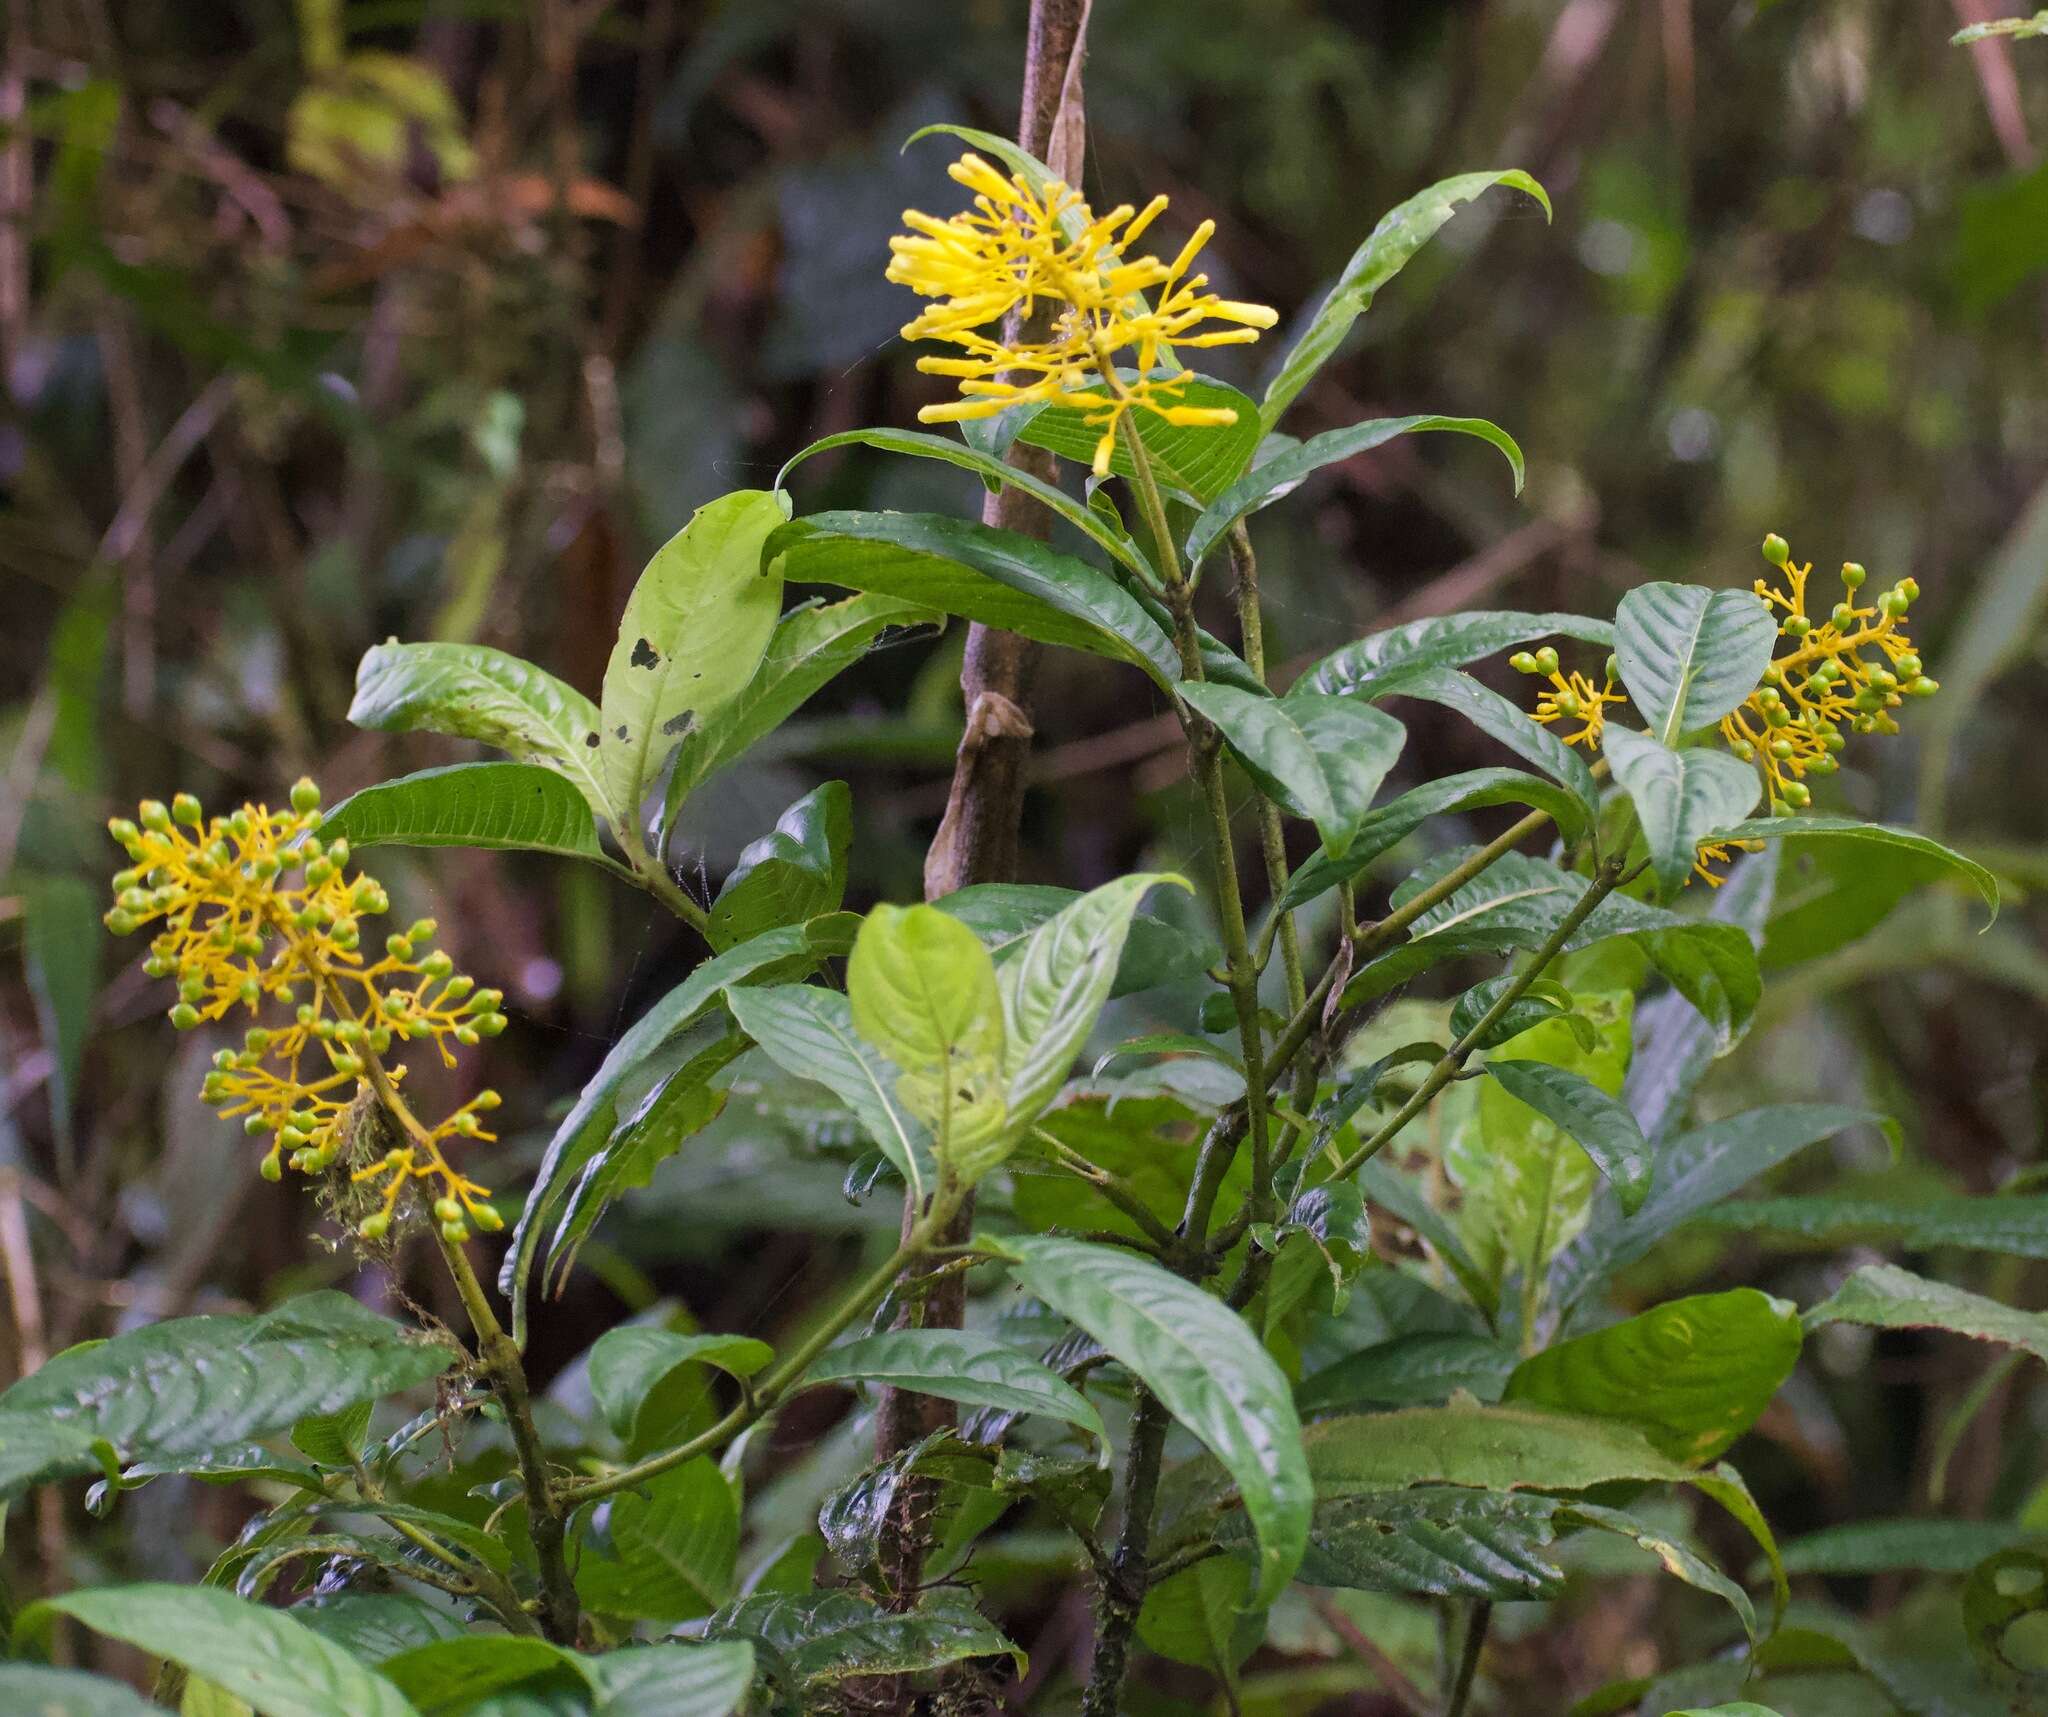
pixel 808 1033
pixel 1689 655
pixel 1876 835
pixel 1443 641
pixel 795 872
pixel 1883 1296
pixel 1055 986
pixel 1681 797
pixel 819 1639
pixel 1410 1370
pixel 663 1551
pixel 1381 830
pixel 196 1384
pixel 957 1365
pixel 333 1439
pixel 1199 461
pixel 1266 481
pixel 995 577
pixel 1401 232
pixel 1113 542
pixel 1004 914
pixel 584 1131
pixel 375 1625
pixel 630 1363
pixel 1543 1000
pixel 694 631
pixel 1205 1366
pixel 281 1667
pixel 2015 1226
pixel 922 989
pixel 682 1105
pixel 808 648
pixel 469 691
pixel 1501 719
pixel 501 806
pixel 1488 1448
pixel 1692 1374
pixel 1696 1170
pixel 448 1676
pixel 1322 758
pixel 1599 1123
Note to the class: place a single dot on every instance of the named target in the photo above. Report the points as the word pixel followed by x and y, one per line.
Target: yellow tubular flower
pixel 1852 669
pixel 1571 697
pixel 1017 249
pixel 255 908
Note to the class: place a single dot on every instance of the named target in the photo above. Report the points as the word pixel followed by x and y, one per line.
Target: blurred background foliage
pixel 430 318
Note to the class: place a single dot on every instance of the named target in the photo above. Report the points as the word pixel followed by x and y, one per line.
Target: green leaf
pixel 1202 1616
pixel 628 1364
pixel 1400 234
pixel 1698 1169
pixel 2001 1592
pixel 1408 1371
pixel 469 691
pixel 1599 1123
pixel 1540 1002
pixel 1689 655
pixel 281 1667
pixel 1883 1296
pixel 1322 758
pixel 448 1676
pixel 1862 1547
pixel 957 1365
pixel 1443 641
pixel 676 1109
pixel 1003 915
pixel 1204 1364
pixel 672 1680
pixel 922 989
pixel 35 1690
pixel 61 945
pixel 195 1384
pixel 1681 797
pixel 1437 1540
pixel 1054 988
pixel 2016 27
pixel 1265 482
pixel 333 1439
pixel 1848 829
pixel 1678 1559
pixel 1741 1708
pixel 809 1034
pixel 795 872
pixel 693 634
pixel 588 1125
pixel 1692 1374
pixel 822 1638
pixel 500 806
pixel 1489 1448
pixel 664 1551
pixel 1379 831
pixel 809 646
pixel 1113 542
pixel 998 578
pixel 2015 1226
pixel 1498 718
pixel 375 1625
pixel 1196 460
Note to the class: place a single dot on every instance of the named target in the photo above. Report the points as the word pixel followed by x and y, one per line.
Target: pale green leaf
pixel 501 806
pixel 1681 797
pixel 1689 655
pixel 1600 1124
pixel 694 631
pixel 1884 1296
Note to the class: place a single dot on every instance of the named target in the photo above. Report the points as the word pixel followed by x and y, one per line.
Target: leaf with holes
pixel 694 631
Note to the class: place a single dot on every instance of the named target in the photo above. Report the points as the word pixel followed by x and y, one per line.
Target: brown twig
pixel 1394 1681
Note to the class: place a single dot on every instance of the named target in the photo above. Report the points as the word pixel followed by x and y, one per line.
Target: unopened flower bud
pixel 1776 549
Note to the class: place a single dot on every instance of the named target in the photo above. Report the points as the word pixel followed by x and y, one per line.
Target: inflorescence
pixel 254 907
pixel 1851 670
pixel 1017 249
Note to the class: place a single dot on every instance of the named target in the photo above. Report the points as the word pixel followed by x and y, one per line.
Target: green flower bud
pixel 1910 589
pixel 305 795
pixel 491 1025
pixel 399 947
pixel 1797 795
pixel 436 965
pixel 122 924
pixel 1796 626
pixel 125 833
pixel 156 815
pixel 455 1232
pixel 1844 616
pixel 1853 575
pixel 374 1226
pixel 422 929
pixel 1776 549
pixel 488 1219
pixel 184 1017
pixel 1546 660
pixel 1923 687
pixel 1822 766
pixel 1907 665
pixel 270 1168
pixel 185 809
pixel 1522 662
pixel 254 1124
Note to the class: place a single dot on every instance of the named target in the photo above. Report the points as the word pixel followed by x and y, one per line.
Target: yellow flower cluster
pixel 1572 697
pixel 1017 249
pixel 253 908
pixel 1791 725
